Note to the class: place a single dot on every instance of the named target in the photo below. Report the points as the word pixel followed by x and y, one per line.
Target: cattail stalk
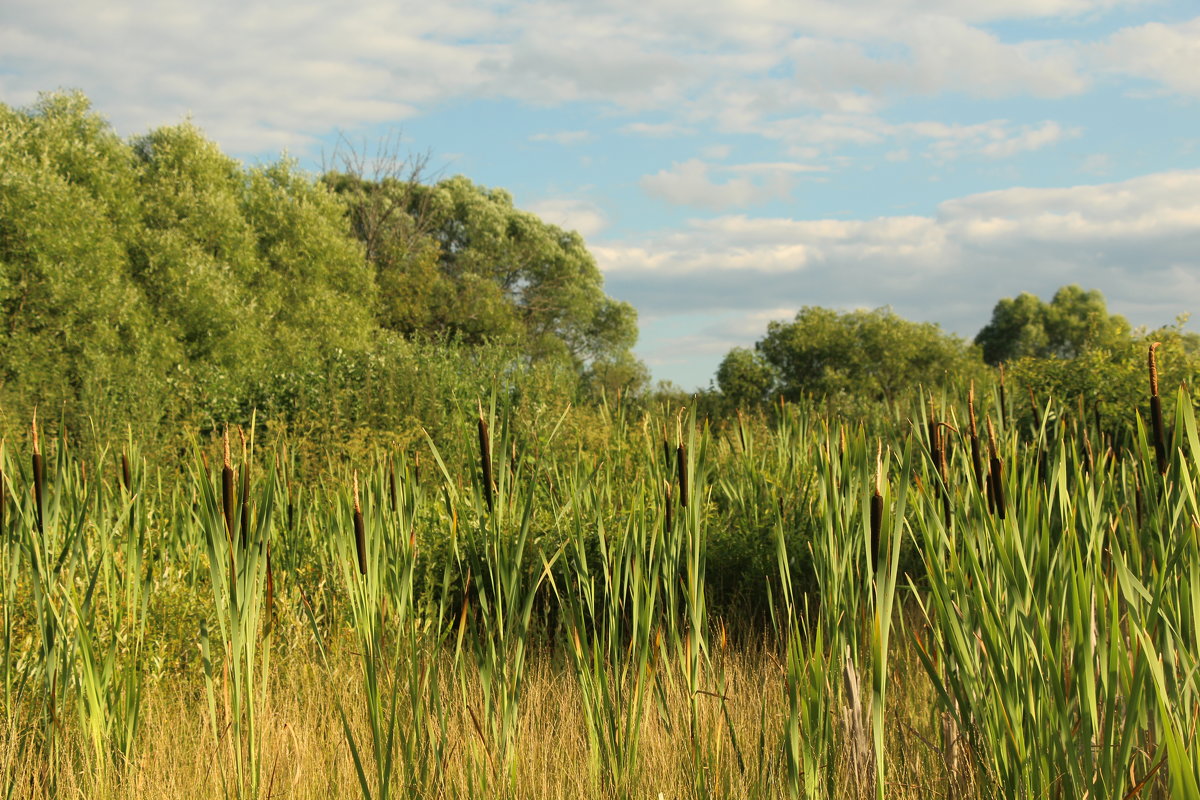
pixel 1156 417
pixel 485 458
pixel 360 535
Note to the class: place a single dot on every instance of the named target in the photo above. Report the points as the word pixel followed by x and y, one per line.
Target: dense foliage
pixel 160 284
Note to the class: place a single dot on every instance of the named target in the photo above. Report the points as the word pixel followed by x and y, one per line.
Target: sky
pixel 727 161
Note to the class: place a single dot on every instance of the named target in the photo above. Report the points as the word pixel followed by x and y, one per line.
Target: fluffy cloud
pixel 571 214
pixel 562 137
pixel 1135 240
pixel 690 183
pixel 1166 54
pixel 282 73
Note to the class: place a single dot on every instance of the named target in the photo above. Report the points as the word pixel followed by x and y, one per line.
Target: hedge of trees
pixel 158 283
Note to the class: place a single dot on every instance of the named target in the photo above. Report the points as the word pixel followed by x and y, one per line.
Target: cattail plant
pixel 1156 416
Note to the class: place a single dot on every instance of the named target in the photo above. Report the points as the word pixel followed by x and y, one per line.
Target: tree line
pixel 1071 349
pixel 158 283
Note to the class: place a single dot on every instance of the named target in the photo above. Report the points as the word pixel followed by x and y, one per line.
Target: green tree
pixel 870 354
pixel 1074 322
pixel 78 334
pixel 744 377
pixel 454 258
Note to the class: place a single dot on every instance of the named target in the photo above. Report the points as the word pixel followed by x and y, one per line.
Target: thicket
pixel 158 284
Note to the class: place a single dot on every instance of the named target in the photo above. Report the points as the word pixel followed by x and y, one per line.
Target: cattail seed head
pixel 1156 415
pixel 1152 360
pixel 877 506
pixel 39 477
pixel 485 458
pixel 684 489
pixel 228 501
pixel 360 535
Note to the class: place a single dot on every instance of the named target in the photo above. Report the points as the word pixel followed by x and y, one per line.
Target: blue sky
pixel 727 162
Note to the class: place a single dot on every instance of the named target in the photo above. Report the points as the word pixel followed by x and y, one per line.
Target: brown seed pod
pixel 1156 415
pixel 228 501
pixel 39 476
pixel 485 458
pixel 360 535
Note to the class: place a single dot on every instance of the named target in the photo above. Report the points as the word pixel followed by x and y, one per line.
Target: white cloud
pixel 1136 240
pixel 284 73
pixel 1166 54
pixel 689 183
pixel 571 214
pixel 657 130
pixel 562 137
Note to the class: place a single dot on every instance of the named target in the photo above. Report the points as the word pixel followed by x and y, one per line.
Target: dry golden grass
pixel 306 756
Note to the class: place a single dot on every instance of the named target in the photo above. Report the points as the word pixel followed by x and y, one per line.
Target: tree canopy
pixel 157 279
pixel 867 353
pixel 1072 323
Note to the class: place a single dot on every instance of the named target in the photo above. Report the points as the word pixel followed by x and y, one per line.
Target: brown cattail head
pixel 485 457
pixel 1156 415
pixel 1152 360
pixel 392 484
pixel 681 459
pixel 126 479
pixel 995 473
pixel 39 475
pixel 360 534
pixel 877 505
pixel 228 501
pixel 971 408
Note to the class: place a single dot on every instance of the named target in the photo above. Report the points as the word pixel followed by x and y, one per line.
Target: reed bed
pixel 787 606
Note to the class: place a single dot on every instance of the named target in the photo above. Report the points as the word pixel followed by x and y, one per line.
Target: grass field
pixel 939 603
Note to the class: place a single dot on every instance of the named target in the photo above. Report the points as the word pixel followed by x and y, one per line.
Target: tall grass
pixel 941 615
